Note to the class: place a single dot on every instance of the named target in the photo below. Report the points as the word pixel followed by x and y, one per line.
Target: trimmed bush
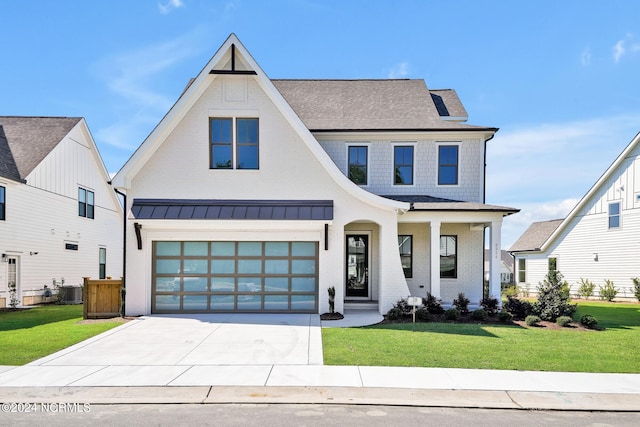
pixel 399 310
pixel 433 304
pixel 452 314
pixel 586 288
pixel 479 314
pixel 519 309
pixel 422 314
pixel 588 321
pixel 608 291
pixel 490 305
pixel 553 298
pixel 511 291
pixel 532 320
pixel 505 317
pixel 394 313
pixel 462 304
pixel 564 321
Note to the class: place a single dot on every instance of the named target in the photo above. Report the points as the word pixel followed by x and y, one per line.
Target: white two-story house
pixel 59 218
pixel 257 195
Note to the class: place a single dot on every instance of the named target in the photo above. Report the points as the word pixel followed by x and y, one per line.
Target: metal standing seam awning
pixel 212 209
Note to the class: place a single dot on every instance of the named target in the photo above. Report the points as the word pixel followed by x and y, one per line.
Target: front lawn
pixel 451 345
pixel 27 335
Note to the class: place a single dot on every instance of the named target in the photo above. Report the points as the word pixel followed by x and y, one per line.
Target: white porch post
pixel 435 258
pixel 495 258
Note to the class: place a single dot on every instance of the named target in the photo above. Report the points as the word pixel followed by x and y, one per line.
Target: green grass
pixel 27 335
pixel 447 345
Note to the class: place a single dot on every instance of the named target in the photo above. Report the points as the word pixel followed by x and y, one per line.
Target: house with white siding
pixel 60 220
pixel 258 195
pixel 600 238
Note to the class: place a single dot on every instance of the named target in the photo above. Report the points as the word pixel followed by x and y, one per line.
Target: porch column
pixel 495 258
pixel 435 258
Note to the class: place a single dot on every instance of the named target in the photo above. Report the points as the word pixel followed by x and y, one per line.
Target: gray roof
pixel 504 256
pixel 431 203
pixel 351 105
pixel 535 236
pixel 26 141
pixel 319 210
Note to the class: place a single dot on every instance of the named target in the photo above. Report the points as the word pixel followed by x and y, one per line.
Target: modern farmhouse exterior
pixel 259 195
pixel 59 218
pixel 598 240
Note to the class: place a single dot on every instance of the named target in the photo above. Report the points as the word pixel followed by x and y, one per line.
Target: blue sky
pixel 559 78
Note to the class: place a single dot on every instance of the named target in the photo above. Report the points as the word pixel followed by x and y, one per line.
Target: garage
pixel 226 276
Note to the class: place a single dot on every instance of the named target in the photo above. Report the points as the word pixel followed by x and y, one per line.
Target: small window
pixel 234 149
pixel 403 165
pixel 85 203
pixel 614 215
pixel 405 245
pixel 2 203
pixel 358 164
pixel 553 264
pixel 522 270
pixel 102 263
pixel 448 256
pixel 448 165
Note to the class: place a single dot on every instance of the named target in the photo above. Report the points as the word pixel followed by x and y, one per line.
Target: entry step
pixel 360 305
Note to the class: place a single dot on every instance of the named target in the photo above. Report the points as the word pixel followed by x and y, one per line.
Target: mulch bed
pixel 331 316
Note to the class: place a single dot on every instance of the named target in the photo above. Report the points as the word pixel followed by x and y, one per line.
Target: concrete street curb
pixel 520 400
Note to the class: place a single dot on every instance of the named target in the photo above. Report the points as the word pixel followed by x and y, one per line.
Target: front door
pixel 357 265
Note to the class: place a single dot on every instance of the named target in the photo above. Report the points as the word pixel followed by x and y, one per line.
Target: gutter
pixel 123 290
pixel 484 179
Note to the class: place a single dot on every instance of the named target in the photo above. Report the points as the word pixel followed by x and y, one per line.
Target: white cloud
pixel 399 71
pixel 625 47
pixel 169 6
pixel 618 50
pixel 585 57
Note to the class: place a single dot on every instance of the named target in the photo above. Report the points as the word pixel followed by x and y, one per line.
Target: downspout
pixel 123 289
pixel 484 200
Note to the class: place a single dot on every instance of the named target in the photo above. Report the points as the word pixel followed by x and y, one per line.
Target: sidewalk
pixel 49 380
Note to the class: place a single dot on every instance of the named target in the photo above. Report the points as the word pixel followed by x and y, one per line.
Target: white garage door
pixel 235 276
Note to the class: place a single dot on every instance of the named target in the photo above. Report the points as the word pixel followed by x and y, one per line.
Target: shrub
pixel 422 314
pixel 553 298
pixel 452 314
pixel 636 287
pixel 399 310
pixel 519 309
pixel 532 320
pixel 394 314
pixel 564 321
pixel 511 291
pixel 433 304
pixel 608 291
pixel 588 321
pixel 586 288
pixel 505 317
pixel 462 304
pixel 479 314
pixel 490 305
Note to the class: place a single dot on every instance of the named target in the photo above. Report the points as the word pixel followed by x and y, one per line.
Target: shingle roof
pixel 347 105
pixel 535 236
pixel 26 141
pixel 431 203
pixel 319 210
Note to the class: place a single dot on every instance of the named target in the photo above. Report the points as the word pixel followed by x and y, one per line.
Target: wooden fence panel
pixel 101 298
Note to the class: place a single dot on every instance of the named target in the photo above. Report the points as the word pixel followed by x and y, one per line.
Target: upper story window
pixel 403 165
pixel 234 143
pixel 553 264
pixel 447 165
pixel 2 203
pixel 614 215
pixel 449 256
pixel 358 164
pixel 85 203
pixel 405 245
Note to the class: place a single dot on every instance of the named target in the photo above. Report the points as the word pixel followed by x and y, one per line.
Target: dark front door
pixel 357 265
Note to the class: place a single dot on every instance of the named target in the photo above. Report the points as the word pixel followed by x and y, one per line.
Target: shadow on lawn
pixel 11 320
pixel 611 316
pixel 451 328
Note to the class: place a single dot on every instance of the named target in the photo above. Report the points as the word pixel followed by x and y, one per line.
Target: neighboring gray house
pixel 506 267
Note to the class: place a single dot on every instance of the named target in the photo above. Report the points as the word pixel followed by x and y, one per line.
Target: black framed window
pixel 403 165
pixel 553 264
pixel 449 256
pixel 3 203
pixel 405 245
pixel 102 263
pixel 86 203
pixel 614 215
pixel 358 164
pixel 522 270
pixel 234 143
pixel 447 165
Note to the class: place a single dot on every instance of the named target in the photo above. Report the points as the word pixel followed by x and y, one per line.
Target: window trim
pixel 408 272
pixel 102 266
pixel 455 258
pixel 348 168
pixel 456 144
pixel 234 144
pixel 522 270
pixel 611 216
pixel 3 203
pixel 89 208
pixel 403 144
